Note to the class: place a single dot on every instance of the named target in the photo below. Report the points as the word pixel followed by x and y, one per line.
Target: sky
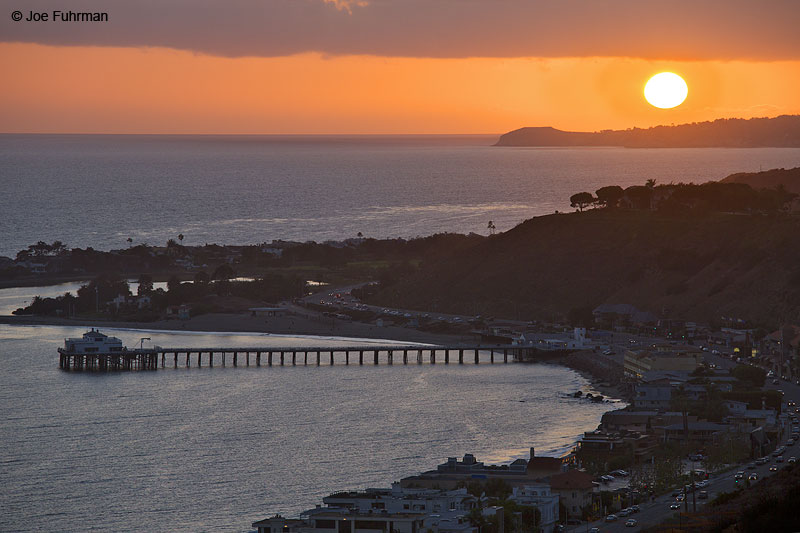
pixel 390 66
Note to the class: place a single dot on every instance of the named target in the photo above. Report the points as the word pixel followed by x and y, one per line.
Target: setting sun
pixel 666 90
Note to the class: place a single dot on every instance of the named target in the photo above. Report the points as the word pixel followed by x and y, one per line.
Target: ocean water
pixel 100 190
pixel 204 449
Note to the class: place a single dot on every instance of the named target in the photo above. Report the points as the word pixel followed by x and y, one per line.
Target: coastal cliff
pixel 782 131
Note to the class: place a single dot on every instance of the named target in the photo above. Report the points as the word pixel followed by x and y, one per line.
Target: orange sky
pixel 163 90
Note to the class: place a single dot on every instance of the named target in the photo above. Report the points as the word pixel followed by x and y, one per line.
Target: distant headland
pixel 782 131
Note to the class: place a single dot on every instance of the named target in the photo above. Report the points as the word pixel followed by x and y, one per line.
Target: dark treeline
pixel 689 197
pixel 203 275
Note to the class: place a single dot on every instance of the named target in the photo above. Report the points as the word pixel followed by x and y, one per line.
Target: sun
pixel 666 90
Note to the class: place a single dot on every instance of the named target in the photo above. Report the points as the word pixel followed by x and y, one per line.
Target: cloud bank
pixel 677 29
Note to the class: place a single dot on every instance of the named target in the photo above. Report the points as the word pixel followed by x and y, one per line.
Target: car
pixel 751 466
pixel 680 497
pixel 625 512
pixel 791 403
pixel 753 477
pixel 775 381
pixel 779 459
pixel 631 522
pixel 611 518
pixel 675 506
pixel 620 473
pixel 635 508
pixel 792 460
pixel 762 460
pixel 739 475
pixel 773 468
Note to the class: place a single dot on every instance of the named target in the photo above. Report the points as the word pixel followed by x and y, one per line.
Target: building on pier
pixel 93 342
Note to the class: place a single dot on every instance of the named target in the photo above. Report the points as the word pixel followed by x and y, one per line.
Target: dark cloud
pixel 670 29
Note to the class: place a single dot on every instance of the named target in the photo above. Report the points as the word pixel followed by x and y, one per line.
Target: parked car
pixel 631 522
pixel 611 518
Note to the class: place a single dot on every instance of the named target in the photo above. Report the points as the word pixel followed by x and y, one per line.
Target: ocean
pixel 100 190
pixel 215 449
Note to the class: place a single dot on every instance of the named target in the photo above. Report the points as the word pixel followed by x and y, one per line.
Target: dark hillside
pixel 769 179
pixel 694 266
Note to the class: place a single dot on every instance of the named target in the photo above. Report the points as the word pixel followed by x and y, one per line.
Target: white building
pixel 93 342
pixel 539 495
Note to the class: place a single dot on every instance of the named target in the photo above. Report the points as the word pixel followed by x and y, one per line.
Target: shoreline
pixel 292 325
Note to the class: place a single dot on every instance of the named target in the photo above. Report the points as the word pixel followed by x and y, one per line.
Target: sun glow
pixel 666 90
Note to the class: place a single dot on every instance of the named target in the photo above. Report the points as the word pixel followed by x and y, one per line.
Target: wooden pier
pixel 148 359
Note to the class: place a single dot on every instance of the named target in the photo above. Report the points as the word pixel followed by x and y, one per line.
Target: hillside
pixel 769 179
pixel 696 267
pixel 782 131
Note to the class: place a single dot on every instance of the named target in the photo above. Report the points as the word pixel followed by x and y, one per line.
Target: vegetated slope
pixel 769 179
pixel 690 266
pixel 781 131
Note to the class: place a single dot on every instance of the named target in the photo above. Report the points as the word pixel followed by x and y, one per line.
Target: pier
pixel 149 359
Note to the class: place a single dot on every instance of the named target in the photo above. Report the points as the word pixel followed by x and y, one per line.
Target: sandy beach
pixel 243 322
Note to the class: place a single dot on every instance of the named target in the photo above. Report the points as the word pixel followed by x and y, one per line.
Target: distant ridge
pixel 782 131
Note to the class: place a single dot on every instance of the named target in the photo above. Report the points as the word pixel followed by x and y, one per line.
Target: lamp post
pixel 141 342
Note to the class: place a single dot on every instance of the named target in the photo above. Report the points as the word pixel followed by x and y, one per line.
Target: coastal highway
pixel 657 511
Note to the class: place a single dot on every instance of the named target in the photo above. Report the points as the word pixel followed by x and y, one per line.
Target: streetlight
pixel 141 342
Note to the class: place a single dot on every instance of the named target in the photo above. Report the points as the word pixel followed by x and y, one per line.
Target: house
pixel 698 432
pixel 604 445
pixel 399 499
pixel 655 395
pixel 454 472
pixel 574 489
pixel 750 419
pixel 540 496
pixel 735 408
pixel 638 362
pixel 180 312
pixel 279 524
pixel 349 521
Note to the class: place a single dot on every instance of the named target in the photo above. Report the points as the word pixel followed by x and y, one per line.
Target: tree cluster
pixel 684 197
